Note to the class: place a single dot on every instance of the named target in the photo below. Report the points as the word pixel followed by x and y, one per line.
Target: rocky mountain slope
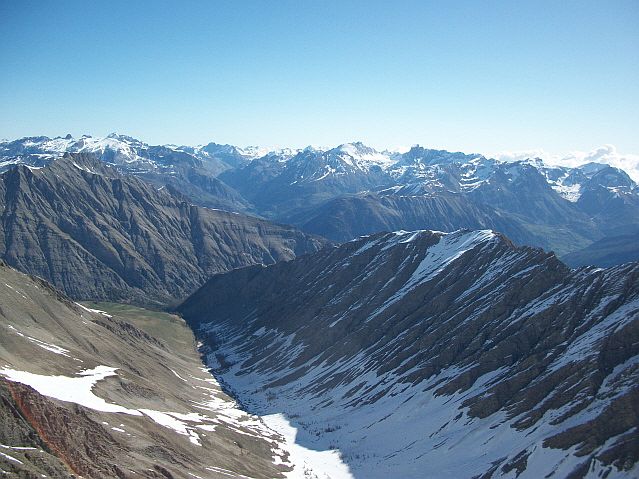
pixel 281 184
pixel 607 252
pixel 88 394
pixel 424 354
pixel 348 217
pixel 352 190
pixel 97 234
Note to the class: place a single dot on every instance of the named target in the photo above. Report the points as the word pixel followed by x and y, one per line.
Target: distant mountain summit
pixel 282 183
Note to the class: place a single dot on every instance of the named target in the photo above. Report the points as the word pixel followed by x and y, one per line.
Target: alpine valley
pixel 323 313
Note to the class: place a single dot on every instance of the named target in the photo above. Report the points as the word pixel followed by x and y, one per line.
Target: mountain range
pixel 352 190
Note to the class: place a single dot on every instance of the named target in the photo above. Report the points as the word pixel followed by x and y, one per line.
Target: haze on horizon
pixel 490 77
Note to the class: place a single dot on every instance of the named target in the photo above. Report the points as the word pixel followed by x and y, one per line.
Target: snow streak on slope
pixel 304 463
pixel 450 247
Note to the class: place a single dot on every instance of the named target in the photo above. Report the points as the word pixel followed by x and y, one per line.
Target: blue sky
pixel 479 76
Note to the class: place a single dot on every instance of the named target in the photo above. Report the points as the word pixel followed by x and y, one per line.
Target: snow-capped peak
pixel 361 156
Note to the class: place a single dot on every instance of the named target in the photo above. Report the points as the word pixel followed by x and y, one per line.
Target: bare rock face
pixel 424 354
pixel 98 235
pixel 24 453
pixel 88 394
pixel 82 444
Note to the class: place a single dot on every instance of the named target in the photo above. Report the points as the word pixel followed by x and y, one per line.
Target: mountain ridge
pixel 400 344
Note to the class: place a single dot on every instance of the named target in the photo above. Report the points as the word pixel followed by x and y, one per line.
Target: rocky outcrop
pixel 81 443
pixel 455 355
pixel 96 234
pixel 24 453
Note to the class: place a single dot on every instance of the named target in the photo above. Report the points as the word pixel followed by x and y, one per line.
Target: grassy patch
pixel 169 328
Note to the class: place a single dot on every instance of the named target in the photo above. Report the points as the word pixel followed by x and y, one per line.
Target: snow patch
pixel 77 390
pixel 103 313
pixel 307 462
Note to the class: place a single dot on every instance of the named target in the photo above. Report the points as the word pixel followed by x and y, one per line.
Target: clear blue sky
pixel 473 76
